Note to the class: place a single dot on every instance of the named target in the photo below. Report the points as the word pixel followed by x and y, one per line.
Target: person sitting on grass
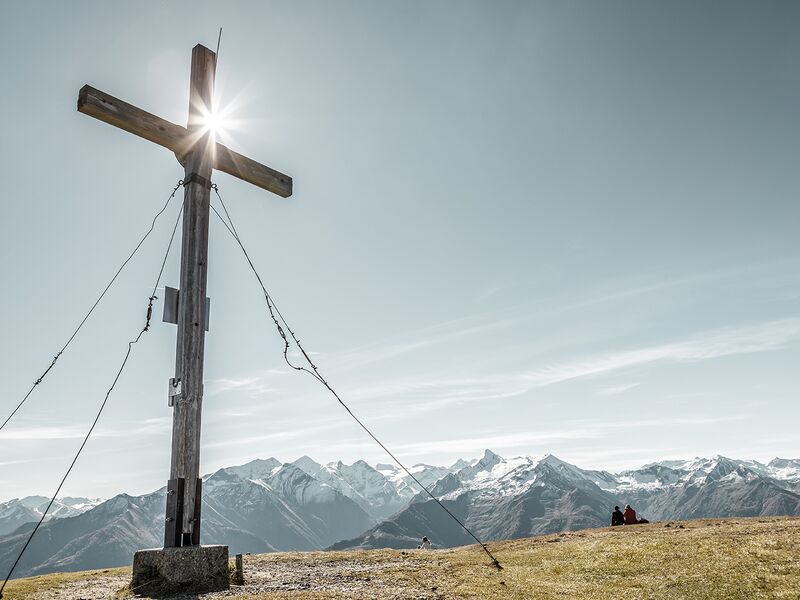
pixel 629 516
pixel 617 518
pixel 425 545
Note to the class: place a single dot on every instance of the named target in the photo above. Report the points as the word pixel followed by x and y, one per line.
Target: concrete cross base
pixel 190 569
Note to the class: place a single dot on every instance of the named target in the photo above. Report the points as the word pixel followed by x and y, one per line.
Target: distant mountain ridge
pixel 19 511
pixel 502 498
pixel 262 506
pixel 266 505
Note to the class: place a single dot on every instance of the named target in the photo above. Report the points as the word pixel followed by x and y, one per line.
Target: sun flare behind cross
pixel 214 122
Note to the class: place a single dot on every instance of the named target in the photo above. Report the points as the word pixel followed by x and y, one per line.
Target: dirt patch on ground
pixel 90 588
pixel 309 575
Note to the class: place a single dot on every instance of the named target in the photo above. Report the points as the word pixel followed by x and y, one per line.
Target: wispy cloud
pixel 67 432
pixel 512 316
pixel 152 426
pixel 43 433
pixel 392 399
pixel 258 384
pixel 28 460
pixel 287 434
pixel 580 430
pixel 618 389
pixel 437 393
pixel 442 333
pixel 726 342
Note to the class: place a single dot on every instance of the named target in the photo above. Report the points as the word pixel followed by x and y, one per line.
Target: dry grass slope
pixel 694 560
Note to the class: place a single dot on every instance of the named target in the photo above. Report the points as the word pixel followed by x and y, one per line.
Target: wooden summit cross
pixel 197 151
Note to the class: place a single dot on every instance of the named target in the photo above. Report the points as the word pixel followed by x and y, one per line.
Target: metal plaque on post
pixel 171 300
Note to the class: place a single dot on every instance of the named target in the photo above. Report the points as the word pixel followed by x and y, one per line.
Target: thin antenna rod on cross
pixel 219 39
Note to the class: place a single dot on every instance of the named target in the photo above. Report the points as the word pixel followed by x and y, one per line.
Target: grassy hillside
pixel 726 559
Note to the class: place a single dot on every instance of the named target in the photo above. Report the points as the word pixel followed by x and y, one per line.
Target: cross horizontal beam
pixel 114 111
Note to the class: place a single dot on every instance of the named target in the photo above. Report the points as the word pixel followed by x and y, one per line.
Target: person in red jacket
pixel 629 515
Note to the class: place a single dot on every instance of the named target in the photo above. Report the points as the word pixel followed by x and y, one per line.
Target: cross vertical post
pixel 183 560
pixel 198 162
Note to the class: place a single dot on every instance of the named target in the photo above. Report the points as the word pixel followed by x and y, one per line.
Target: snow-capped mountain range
pixel 267 505
pixel 503 498
pixel 504 476
pixel 19 511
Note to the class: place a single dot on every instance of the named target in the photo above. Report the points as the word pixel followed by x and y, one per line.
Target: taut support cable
pixel 91 310
pixel 314 371
pixel 145 328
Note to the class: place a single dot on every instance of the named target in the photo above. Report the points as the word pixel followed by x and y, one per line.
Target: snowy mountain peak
pixel 459 464
pixel 116 505
pixel 786 469
pixel 554 461
pixel 32 502
pixel 490 457
pixel 308 465
pixel 31 508
pixel 80 504
pixel 256 469
pixel 783 462
pixel 487 462
pixel 220 477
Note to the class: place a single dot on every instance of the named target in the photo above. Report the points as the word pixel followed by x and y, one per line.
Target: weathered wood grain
pixel 248 170
pixel 114 111
pixel 111 110
pixel 190 348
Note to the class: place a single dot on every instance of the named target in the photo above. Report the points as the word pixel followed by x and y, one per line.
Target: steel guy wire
pixel 314 372
pixel 145 328
pixel 91 310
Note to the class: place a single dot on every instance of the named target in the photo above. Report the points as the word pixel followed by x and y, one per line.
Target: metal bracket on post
pixel 174 524
pixel 174 390
pixel 196 522
pixel 197 178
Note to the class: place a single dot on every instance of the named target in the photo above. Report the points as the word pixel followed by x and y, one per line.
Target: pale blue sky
pixel 566 227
